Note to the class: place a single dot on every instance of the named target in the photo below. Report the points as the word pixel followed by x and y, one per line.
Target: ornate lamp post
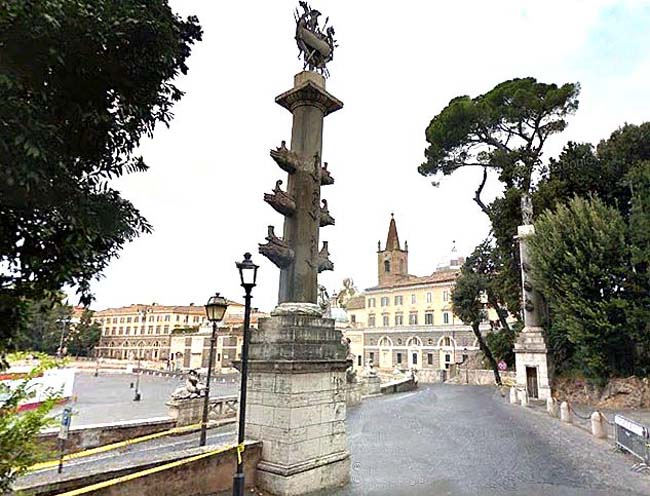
pixel 215 309
pixel 248 276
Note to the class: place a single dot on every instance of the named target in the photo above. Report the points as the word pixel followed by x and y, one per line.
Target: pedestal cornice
pixel 309 93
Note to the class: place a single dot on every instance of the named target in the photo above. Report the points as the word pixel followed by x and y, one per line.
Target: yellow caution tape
pixel 136 475
pixel 109 447
pixel 240 450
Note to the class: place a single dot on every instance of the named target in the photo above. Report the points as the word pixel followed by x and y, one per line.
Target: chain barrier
pixel 572 410
pixel 610 422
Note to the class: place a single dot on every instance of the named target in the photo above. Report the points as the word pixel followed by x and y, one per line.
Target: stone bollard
pixel 513 395
pixel 597 425
pixel 551 407
pixel 523 397
pixel 565 413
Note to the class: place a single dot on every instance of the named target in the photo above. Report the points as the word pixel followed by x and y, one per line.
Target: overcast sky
pixel 397 66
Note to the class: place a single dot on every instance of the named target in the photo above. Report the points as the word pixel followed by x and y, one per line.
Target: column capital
pixel 309 89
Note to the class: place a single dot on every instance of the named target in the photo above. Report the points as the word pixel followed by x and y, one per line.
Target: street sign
pixel 66 419
pixel 502 366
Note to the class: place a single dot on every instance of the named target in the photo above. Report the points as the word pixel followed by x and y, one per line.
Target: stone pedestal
pixel 372 385
pixel 186 412
pixel 296 401
pixel 530 354
pixel 530 348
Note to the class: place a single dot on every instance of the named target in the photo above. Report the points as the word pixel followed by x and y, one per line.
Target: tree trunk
pixel 500 312
pixel 486 351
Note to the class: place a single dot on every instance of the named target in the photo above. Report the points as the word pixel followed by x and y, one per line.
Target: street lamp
pixel 215 309
pixel 64 323
pixel 248 276
pixel 143 320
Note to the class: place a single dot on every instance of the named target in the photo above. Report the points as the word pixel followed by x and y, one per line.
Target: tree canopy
pixel 81 82
pixel 579 257
pixel 505 129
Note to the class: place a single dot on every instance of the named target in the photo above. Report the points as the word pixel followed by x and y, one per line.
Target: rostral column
pixel 297 378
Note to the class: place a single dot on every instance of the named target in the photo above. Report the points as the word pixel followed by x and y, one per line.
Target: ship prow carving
pixel 285 158
pixel 325 176
pixel 324 262
pixel 277 250
pixel 325 218
pixel 280 200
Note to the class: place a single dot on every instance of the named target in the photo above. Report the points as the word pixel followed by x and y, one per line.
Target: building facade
pixel 191 349
pixel 144 331
pixel 406 321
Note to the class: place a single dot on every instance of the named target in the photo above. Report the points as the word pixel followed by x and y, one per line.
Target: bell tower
pixel 392 261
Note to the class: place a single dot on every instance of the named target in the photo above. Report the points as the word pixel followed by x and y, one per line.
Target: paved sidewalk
pixel 109 398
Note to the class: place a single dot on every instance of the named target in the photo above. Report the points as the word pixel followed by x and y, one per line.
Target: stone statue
pixel 192 388
pixel 526 209
pixel 315 43
pixel 323 299
pixel 370 370
pixel 345 295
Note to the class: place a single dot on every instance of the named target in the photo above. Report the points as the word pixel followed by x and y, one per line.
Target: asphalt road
pixel 466 441
pixel 445 440
pixel 109 397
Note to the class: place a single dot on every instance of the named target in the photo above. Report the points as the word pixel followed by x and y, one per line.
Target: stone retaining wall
pixel 206 476
pixel 481 377
pixel 399 385
pixel 94 435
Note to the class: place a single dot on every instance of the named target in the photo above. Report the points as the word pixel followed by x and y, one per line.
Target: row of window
pixel 398 300
pixel 152 318
pixel 413 319
pixel 399 359
pixel 414 341
pixel 126 331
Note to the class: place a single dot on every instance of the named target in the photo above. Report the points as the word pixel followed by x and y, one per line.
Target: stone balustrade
pixel 189 412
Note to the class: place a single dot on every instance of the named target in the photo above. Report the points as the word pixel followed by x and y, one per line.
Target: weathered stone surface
pixel 530 347
pixel 297 403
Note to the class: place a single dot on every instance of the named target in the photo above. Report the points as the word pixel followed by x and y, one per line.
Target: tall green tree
pixel 504 131
pixel 81 82
pixel 580 260
pixel 638 280
pixel 467 300
pixel 83 336
pixel 46 322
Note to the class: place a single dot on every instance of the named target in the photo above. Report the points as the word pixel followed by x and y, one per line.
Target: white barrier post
pixel 565 413
pixel 523 396
pixel 551 407
pixel 597 427
pixel 513 395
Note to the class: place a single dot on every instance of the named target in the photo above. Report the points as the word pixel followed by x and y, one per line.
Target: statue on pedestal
pixel 193 388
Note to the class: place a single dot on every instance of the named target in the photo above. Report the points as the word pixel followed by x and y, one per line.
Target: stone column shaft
pixel 309 103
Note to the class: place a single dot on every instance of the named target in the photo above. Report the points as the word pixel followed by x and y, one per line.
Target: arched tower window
pixel 386 265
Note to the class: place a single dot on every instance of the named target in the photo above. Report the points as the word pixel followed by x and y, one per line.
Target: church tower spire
pixel 392 241
pixel 392 261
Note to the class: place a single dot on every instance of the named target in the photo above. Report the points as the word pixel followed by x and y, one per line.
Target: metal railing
pixel 632 437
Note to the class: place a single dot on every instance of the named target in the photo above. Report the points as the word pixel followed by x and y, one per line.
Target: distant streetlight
pixel 137 396
pixel 248 276
pixel 64 323
pixel 215 309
